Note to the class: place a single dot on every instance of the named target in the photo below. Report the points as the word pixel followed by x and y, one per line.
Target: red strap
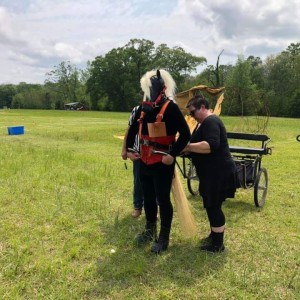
pixel 140 120
pixel 160 115
pixel 157 100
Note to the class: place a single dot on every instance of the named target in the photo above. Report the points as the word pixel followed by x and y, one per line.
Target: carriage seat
pixel 263 139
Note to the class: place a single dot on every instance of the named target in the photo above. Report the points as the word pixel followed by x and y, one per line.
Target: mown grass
pixel 65 205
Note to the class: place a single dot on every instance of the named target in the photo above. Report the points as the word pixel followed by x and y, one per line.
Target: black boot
pixel 207 240
pixel 148 235
pixel 163 241
pixel 216 244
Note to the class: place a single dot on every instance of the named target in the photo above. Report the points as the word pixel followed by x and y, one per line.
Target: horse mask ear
pixel 157 86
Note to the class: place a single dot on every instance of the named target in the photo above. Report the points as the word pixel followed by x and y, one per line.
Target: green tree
pixel 177 61
pixel 65 81
pixel 278 80
pixel 114 79
pixel 7 92
pixel 110 77
pixel 29 96
pixel 240 90
pixel 294 108
pixel 282 77
pixel 140 53
pixel 256 71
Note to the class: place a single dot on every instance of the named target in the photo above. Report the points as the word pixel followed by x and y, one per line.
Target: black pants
pixel 156 183
pixel 215 215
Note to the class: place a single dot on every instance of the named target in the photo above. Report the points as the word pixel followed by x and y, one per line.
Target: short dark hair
pixel 197 101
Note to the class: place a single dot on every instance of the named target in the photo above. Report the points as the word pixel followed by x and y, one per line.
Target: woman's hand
pixel 124 154
pixel 133 156
pixel 167 160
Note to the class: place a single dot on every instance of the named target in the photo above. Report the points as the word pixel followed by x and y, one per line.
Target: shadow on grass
pixel 134 271
pixel 128 266
pixel 234 209
pixel 239 207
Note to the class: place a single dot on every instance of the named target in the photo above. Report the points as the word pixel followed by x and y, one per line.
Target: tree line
pixel 111 82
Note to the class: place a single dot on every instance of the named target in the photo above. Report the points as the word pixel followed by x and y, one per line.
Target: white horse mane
pixel 167 78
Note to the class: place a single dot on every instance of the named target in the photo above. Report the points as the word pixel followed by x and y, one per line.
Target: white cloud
pixel 7 32
pixel 21 58
pixel 64 50
pixel 240 27
pixel 36 35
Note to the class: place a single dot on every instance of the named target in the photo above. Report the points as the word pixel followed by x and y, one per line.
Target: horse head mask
pixel 157 86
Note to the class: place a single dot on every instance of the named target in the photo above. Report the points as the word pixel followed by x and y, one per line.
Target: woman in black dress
pixel 215 168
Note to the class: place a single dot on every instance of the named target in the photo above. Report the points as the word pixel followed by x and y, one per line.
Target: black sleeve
pixel 181 128
pixel 212 133
pixel 133 129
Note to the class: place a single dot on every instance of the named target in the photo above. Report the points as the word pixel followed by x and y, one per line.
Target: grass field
pixel 66 230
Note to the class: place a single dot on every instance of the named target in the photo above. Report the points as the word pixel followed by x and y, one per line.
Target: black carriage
pixel 248 160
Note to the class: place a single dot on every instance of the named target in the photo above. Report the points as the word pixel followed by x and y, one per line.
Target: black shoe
pixel 216 244
pixel 212 248
pixel 148 235
pixel 160 246
pixel 206 241
pixel 144 238
pixel 163 240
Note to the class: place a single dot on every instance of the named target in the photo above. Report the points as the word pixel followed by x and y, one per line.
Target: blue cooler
pixel 15 130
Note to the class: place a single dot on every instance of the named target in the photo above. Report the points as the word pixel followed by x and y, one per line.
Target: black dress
pixel 216 171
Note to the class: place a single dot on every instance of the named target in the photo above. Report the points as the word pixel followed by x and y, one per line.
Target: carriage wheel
pixel 261 187
pixel 298 138
pixel 192 180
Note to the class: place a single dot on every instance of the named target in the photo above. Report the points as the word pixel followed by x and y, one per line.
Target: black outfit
pixel 156 179
pixel 174 121
pixel 216 170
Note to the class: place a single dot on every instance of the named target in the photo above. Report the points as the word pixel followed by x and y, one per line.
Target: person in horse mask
pixel 215 168
pixel 158 121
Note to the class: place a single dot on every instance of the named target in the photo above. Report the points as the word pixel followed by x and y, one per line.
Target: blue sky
pixel 36 35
